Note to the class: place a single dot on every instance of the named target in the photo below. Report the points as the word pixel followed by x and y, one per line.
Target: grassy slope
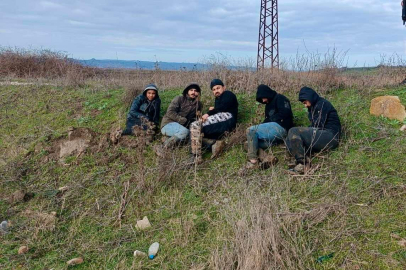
pixel 190 210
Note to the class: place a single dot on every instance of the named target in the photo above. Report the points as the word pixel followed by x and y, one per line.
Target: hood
pixel 306 93
pixel 151 87
pixel 264 91
pixel 192 85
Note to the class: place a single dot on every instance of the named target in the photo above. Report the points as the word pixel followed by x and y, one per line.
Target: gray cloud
pixel 177 30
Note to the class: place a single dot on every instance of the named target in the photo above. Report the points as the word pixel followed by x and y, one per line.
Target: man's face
pixel 307 103
pixel 265 100
pixel 151 94
pixel 193 93
pixel 218 90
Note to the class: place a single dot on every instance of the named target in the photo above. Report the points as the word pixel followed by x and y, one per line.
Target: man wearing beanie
pixel 323 133
pixel 215 123
pixel 180 114
pixel 144 111
pixel 278 121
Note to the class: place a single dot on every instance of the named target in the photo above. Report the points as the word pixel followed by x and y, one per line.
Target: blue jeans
pixel 263 136
pixel 175 130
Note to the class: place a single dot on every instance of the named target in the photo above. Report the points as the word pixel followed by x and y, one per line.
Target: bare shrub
pixel 20 63
pixel 266 235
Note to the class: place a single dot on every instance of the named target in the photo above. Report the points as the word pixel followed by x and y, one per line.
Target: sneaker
pixel 217 148
pixel 299 168
pixel 267 160
pixel 250 165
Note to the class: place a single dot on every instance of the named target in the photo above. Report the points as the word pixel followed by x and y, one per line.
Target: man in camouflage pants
pixel 220 119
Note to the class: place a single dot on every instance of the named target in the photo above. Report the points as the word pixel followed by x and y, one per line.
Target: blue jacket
pixel 142 107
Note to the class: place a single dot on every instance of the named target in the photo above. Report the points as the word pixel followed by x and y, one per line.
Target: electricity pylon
pixel 268 49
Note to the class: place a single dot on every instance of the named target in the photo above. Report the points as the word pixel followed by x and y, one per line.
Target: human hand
pixel 211 108
pixel 204 117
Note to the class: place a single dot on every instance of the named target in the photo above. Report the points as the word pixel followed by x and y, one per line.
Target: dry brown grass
pixel 323 72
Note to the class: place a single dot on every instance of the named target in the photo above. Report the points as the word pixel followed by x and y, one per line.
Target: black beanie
pixel 215 82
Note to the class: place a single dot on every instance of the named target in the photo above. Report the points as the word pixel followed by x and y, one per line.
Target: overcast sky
pixel 190 30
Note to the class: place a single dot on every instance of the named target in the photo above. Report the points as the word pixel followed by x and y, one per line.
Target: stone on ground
pixel 143 224
pixel 388 106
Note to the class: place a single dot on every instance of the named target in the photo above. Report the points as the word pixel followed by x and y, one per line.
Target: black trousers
pixel 217 130
pixel 303 141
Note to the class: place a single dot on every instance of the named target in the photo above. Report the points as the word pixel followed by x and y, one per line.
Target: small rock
pixel 403 128
pixel 143 223
pixel 75 261
pixel 22 250
pixel 138 253
pixel 63 189
pixel 4 226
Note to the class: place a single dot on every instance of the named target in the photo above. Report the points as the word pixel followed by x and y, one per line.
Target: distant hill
pixel 135 64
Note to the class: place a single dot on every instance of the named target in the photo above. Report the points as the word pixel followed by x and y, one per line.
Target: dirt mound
pixel 79 139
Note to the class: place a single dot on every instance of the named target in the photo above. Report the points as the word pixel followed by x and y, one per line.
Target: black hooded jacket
pixel 277 109
pixel 322 114
pixel 142 107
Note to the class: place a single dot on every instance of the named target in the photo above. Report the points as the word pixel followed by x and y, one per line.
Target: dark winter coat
pixel 183 109
pixel 227 102
pixel 321 114
pixel 277 109
pixel 142 107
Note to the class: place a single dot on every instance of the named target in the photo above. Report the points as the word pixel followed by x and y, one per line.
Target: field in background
pixel 209 217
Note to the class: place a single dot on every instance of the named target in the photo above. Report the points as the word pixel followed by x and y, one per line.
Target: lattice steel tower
pixel 268 49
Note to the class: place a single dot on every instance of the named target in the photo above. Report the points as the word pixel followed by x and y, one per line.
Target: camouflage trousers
pixel 196 137
pixel 214 127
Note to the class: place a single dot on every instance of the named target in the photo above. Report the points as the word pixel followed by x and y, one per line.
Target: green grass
pixel 364 177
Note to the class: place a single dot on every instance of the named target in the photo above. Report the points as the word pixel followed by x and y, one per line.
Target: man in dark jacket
pixel 180 114
pixel 278 121
pixel 216 122
pixel 323 133
pixel 145 108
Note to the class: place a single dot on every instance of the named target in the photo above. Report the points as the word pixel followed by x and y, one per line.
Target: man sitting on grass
pixel 215 123
pixel 144 111
pixel 181 112
pixel 323 133
pixel 278 121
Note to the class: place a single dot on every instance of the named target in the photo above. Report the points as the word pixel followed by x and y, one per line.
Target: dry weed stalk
pixel 123 203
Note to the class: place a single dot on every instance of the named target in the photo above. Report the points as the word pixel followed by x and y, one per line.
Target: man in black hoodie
pixel 278 121
pixel 216 122
pixel 323 133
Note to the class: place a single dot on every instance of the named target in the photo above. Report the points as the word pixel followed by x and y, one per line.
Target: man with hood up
pixel 278 121
pixel 323 134
pixel 180 114
pixel 145 108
